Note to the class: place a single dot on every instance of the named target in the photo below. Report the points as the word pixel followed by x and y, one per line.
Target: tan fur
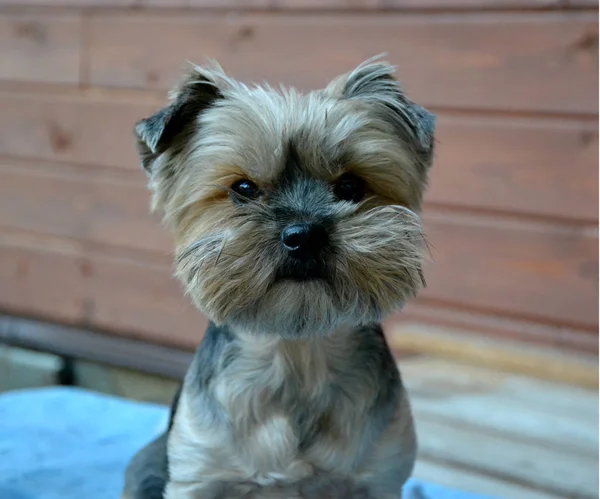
pixel 259 444
pixel 231 268
pixel 296 395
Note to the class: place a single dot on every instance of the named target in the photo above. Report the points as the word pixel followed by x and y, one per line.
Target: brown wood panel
pixel 501 327
pixel 137 4
pixel 531 167
pixel 86 3
pixel 40 48
pixel 472 4
pixel 482 4
pixel 324 4
pixel 311 4
pixel 528 166
pixel 75 286
pixel 29 281
pixel 95 130
pixel 528 62
pixel 100 211
pixel 129 296
pixel 583 3
pixel 540 272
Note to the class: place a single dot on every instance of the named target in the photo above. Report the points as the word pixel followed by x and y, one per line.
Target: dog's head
pixel 293 213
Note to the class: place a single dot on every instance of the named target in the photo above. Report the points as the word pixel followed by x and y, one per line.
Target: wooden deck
pixel 504 435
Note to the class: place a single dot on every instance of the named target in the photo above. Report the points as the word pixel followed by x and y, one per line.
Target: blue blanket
pixel 63 443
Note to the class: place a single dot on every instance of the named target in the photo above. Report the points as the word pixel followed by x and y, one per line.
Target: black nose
pixel 304 241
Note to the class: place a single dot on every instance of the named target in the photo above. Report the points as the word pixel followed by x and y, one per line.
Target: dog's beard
pixel 233 275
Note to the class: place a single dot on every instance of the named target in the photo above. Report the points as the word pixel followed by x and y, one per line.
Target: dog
pixel 297 231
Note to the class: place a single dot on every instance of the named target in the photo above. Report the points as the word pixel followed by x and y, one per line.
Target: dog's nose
pixel 304 241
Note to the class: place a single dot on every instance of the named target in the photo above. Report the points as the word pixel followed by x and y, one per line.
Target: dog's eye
pixel 246 190
pixel 349 188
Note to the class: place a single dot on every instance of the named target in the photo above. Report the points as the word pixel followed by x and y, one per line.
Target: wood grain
pixel 557 363
pixel 543 273
pixel 530 62
pixel 75 285
pixel 71 127
pixel 470 481
pixel 341 5
pixel 40 48
pixel 98 211
pixel 532 448
pixel 29 280
pixel 428 378
pixel 526 166
pixel 350 5
pixel 536 167
pixel 477 4
pixel 495 326
pixel 518 418
pixel 542 467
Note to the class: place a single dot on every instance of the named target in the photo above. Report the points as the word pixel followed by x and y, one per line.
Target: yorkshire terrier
pixel 296 232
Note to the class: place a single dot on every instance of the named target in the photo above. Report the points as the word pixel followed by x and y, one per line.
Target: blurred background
pixel 503 343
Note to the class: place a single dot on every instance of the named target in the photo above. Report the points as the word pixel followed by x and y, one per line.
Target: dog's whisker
pixel 220 252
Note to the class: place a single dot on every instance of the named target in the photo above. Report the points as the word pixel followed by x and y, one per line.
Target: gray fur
pixel 293 392
pixel 276 408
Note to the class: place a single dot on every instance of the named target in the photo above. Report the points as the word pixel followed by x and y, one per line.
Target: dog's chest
pixel 288 410
pixel 286 401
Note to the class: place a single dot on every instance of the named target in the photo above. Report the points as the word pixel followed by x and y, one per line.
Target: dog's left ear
pixel 200 89
pixel 375 83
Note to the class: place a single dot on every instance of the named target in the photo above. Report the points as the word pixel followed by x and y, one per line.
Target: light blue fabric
pixel 67 443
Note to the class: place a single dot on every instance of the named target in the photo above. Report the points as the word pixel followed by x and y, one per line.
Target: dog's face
pixel 293 214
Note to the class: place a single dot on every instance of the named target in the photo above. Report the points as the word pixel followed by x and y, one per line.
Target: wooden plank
pixel 40 47
pixel 544 273
pixel 95 130
pixel 430 378
pixel 338 5
pixel 535 271
pixel 472 4
pixel 137 4
pixel 75 285
pixel 527 62
pixel 476 483
pixel 521 354
pixel 114 350
pixel 28 283
pixel 347 5
pixel 95 210
pixel 475 323
pixel 499 455
pixel 513 165
pixel 232 4
pixel 484 410
pixel 522 166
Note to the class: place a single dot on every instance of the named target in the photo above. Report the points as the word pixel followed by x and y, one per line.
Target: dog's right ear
pixel 200 89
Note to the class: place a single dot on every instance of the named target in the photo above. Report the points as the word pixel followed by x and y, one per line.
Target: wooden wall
pixel 512 210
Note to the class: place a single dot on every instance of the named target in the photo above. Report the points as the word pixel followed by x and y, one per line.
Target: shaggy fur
pixel 293 392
